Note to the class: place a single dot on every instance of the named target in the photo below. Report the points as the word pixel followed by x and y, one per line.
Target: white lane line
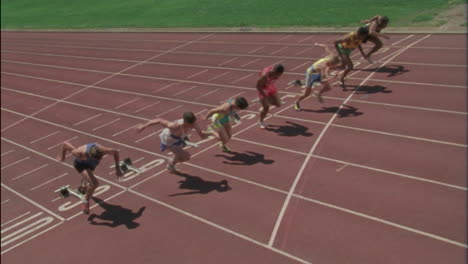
pixel 8 152
pixel 254 50
pixel 403 39
pixel 248 63
pixel 303 51
pixel 16 218
pixel 217 76
pixel 44 137
pixel 203 95
pixel 304 164
pixel 18 223
pixel 29 172
pixel 297 67
pixel 196 74
pixel 126 103
pixel 31 237
pixel 60 143
pixel 16 162
pixel 106 124
pixel 342 167
pixel 302 40
pixel 150 135
pixel 56 199
pixel 87 119
pixel 163 113
pixel 212 224
pixel 33 202
pixel 148 106
pixel 462 188
pixel 283 38
pixel 49 181
pixel 230 60
pixel 436 237
pixel 240 79
pixel 184 90
pixel 165 87
pixel 125 130
pixel 6 201
pixel 276 51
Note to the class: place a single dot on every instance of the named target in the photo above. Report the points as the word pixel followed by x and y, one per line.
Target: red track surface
pixel 382 180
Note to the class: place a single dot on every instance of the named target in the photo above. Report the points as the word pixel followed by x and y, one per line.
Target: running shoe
pixel 297 107
pixel 295 83
pixel 262 125
pixel 85 208
pixel 224 148
pixel 171 167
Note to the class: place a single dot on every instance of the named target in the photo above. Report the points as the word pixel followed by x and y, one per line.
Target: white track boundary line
pixel 24 174
pixel 108 77
pixel 16 162
pixel 49 181
pixel 33 202
pixel 83 121
pixel 317 141
pixel 44 137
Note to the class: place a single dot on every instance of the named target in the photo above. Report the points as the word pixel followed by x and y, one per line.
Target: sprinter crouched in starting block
pixel 87 157
pixel 174 136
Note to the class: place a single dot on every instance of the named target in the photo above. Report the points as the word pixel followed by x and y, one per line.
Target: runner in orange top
pixel 346 45
pixel 267 92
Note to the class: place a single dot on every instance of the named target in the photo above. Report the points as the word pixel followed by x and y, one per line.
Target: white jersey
pixel 168 139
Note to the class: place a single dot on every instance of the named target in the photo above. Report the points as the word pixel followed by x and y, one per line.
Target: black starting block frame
pixel 126 165
pixel 66 191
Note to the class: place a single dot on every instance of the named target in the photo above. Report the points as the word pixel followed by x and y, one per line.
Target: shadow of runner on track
pixel 370 89
pixel 200 186
pixel 292 130
pixel 247 158
pixel 392 70
pixel 346 111
pixel 115 215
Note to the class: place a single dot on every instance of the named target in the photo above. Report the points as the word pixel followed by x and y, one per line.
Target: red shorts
pixel 269 91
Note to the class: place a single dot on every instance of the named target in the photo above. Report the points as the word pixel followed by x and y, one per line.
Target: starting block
pixel 65 191
pixel 127 165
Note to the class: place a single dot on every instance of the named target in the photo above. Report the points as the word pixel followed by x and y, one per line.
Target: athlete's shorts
pixel 343 50
pixel 269 91
pixel 80 167
pixel 312 77
pixel 219 120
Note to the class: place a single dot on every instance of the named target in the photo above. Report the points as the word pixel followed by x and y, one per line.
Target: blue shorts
pixel 312 77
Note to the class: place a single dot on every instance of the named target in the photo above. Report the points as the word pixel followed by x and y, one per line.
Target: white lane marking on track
pixel 29 172
pixel 87 119
pixel 44 137
pixel 16 162
pixel 49 181
pixel 16 218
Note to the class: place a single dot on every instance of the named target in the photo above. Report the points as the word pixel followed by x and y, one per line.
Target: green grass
pixel 209 13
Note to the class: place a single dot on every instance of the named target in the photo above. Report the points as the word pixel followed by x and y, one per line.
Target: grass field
pixel 211 13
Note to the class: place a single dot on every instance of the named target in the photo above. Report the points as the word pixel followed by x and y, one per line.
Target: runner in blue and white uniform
pixel 173 134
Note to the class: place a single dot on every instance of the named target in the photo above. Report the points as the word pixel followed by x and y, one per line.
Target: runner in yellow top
pixel 346 45
pixel 318 73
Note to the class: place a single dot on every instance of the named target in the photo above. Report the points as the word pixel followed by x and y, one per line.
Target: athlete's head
pixel 384 21
pixel 334 61
pixel 278 69
pixel 241 102
pixel 189 118
pixel 95 153
pixel 363 32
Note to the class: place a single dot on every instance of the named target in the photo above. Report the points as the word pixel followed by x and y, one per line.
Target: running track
pixel 376 174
